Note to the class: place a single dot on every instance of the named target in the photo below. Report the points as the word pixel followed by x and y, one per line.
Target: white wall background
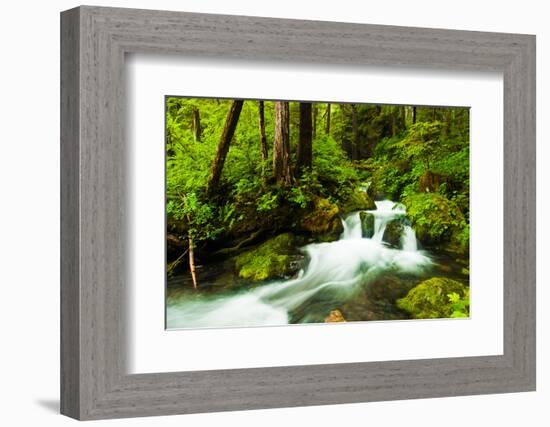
pixel 29 213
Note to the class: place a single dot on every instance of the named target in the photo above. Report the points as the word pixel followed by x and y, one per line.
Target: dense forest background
pixel 250 181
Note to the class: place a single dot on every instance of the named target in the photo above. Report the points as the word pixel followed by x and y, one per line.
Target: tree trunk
pixel 192 262
pixel 414 115
pixel 355 124
pixel 304 151
pixel 393 122
pixel 448 121
pixel 196 124
pixel 261 125
pixel 327 125
pixel 281 144
pixel 314 130
pixel 223 146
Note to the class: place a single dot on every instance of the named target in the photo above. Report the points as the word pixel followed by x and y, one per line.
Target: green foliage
pixel 421 142
pixel 197 214
pixel 388 180
pixel 335 177
pixel 460 305
pixel 267 202
pixel 435 298
pixel 435 218
pixel 438 144
pixel 298 197
pixel 385 149
pixel 248 197
pixel 462 239
pixel 270 260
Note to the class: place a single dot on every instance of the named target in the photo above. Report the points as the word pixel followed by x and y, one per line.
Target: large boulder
pixel 273 259
pixel 393 233
pixel 386 289
pixel 438 297
pixel 437 220
pixel 367 224
pixel 358 200
pixel 323 221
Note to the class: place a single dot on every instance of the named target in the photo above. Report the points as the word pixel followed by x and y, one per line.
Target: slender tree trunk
pixel 281 144
pixel 261 125
pixel 414 115
pixel 448 121
pixel 393 121
pixel 355 124
pixel 223 147
pixel 304 151
pixel 433 114
pixel 403 118
pixel 196 124
pixel 314 131
pixel 327 125
pixel 192 262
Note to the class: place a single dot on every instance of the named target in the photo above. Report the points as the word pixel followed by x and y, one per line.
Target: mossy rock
pixel 386 289
pixel 323 221
pixel 333 233
pixel 393 233
pixel 436 298
pixel 271 260
pixel 367 224
pixel 437 221
pixel 460 243
pixel 358 200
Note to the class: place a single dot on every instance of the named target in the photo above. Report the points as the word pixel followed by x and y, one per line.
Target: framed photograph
pixel 262 213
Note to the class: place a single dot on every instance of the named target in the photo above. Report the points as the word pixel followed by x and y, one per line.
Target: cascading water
pixel 335 272
pixel 408 239
pixel 385 212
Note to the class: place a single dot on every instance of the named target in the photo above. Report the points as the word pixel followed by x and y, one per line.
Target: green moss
pixel 393 232
pixel 319 219
pixel 367 224
pixel 436 220
pixel 358 200
pixel 323 221
pixel 270 260
pixel 437 297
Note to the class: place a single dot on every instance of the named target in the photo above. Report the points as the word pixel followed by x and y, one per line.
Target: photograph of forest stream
pixel 292 212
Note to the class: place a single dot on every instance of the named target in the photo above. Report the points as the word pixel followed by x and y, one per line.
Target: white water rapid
pixel 334 273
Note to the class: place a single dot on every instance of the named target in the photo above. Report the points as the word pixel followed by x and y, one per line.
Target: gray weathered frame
pixel 94 41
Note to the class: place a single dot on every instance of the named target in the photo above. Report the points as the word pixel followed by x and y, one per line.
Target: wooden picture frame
pixel 94 382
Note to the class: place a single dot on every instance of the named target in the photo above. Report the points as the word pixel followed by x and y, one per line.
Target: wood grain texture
pixel 94 240
pixel 70 292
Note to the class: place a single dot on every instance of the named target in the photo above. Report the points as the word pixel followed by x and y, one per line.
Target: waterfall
pixel 352 227
pixel 334 273
pixel 408 239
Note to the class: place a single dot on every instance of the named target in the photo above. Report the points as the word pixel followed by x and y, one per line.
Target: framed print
pixel 262 213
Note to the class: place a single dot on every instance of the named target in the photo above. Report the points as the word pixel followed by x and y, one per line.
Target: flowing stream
pixel 336 271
